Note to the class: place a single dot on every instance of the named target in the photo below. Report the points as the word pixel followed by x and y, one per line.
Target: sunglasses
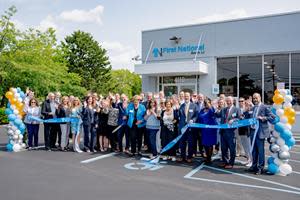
pixel 241 101
pixel 33 102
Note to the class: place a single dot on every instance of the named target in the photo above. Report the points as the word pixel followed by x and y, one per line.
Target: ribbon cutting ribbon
pixel 55 120
pixel 236 124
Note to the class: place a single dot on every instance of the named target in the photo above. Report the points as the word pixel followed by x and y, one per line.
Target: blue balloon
pixel 12 117
pixel 8 105
pixel 290 142
pixel 286 135
pixel 9 147
pixel 18 89
pixel 279 127
pixel 273 168
pixel 22 128
pixel 275 120
pixel 273 111
pixel 271 160
pixel 22 95
pixel 8 111
pixel 18 122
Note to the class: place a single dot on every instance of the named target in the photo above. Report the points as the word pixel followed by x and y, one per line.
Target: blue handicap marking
pixel 142 166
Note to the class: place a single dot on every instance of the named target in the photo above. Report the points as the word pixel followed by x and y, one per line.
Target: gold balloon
pixel 13 101
pixel 278 99
pixel 276 92
pixel 291 120
pixel 20 105
pixel 9 95
pixel 289 112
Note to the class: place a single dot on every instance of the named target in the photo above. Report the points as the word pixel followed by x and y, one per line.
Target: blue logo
pixel 191 49
pixel 156 52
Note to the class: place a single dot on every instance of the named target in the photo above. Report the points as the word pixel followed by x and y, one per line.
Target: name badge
pixel 131 111
pixel 190 111
pixel 250 112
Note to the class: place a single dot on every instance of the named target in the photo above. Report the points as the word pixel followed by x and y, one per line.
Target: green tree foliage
pixel 34 60
pixel 124 81
pixel 88 59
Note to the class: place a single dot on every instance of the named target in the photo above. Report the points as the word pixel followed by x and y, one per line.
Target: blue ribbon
pixel 55 120
pixel 236 124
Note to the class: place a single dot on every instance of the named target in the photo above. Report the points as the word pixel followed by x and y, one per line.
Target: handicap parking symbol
pixel 142 166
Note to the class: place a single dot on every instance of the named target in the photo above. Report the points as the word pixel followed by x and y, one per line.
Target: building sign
pixel 191 49
pixel 215 89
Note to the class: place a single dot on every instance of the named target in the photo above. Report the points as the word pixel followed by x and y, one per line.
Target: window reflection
pixel 227 79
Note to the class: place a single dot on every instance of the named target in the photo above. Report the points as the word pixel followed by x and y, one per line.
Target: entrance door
pixel 188 88
pixel 169 90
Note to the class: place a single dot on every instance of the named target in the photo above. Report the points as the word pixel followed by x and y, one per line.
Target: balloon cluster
pixel 282 139
pixel 15 113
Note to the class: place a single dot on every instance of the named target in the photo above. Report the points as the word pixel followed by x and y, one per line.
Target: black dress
pixel 103 127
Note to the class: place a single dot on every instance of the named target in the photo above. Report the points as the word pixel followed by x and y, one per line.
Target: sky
pixel 117 24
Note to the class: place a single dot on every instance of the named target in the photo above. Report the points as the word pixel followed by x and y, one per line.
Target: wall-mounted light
pixel 175 39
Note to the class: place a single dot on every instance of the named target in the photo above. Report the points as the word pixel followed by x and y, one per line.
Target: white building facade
pixel 242 56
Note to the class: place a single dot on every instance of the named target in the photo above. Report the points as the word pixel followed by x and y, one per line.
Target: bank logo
pixel 156 52
pixel 191 49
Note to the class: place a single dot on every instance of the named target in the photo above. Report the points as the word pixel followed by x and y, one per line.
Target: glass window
pixel 276 70
pixel 295 82
pixel 250 75
pixel 227 75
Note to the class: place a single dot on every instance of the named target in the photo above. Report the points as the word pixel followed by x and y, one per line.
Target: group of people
pixel 148 121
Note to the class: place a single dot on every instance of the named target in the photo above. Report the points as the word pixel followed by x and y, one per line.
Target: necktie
pixel 186 111
pixel 227 114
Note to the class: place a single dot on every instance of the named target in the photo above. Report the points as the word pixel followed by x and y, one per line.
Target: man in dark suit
pixel 263 114
pixel 49 107
pixel 228 115
pixel 188 113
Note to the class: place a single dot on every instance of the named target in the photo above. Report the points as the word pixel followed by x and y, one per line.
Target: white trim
pixel 290 71
pixel 238 76
pixel 98 158
pixel 263 77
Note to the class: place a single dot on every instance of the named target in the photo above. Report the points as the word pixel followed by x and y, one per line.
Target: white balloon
pixel 14 90
pixel 16 112
pixel 18 132
pixel 285 169
pixel 20 99
pixel 13 107
pixel 277 161
pixel 10 132
pixel 17 95
pixel 275 134
pixel 275 155
pixel 287 105
pixel 288 98
pixel 277 106
pixel 14 128
pixel 283 119
pixel 15 137
pixel 284 148
pixel 20 142
pixel 279 112
pixel 288 126
pixel 280 141
pixel 16 147
pixel 283 92
pixel 23 145
pixel 21 136
pixel 12 142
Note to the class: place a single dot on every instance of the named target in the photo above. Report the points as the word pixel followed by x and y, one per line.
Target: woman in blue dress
pixel 209 135
pixel 76 111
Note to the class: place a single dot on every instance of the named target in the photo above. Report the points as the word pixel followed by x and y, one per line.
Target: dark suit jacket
pixel 192 114
pixel 263 111
pixel 234 114
pixel 46 110
pixel 89 117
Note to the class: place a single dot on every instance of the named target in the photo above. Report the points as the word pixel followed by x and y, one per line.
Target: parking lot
pixel 32 175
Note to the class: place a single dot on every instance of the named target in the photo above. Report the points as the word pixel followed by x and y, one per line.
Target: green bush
pixel 3 117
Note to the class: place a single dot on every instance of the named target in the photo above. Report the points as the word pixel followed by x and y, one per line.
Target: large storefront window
pixel 295 80
pixel 276 70
pixel 227 75
pixel 250 75
pixel 174 84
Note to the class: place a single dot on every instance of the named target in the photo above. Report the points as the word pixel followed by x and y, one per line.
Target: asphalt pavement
pixel 35 175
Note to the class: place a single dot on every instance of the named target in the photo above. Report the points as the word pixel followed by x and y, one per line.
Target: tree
pixel 88 59
pixel 32 59
pixel 124 81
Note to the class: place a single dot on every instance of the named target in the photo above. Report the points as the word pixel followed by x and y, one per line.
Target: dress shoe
pixel 228 167
pixel 259 172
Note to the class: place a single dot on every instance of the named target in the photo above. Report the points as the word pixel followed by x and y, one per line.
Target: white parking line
pixel 190 174
pixel 295 152
pixel 296 161
pixel 98 158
